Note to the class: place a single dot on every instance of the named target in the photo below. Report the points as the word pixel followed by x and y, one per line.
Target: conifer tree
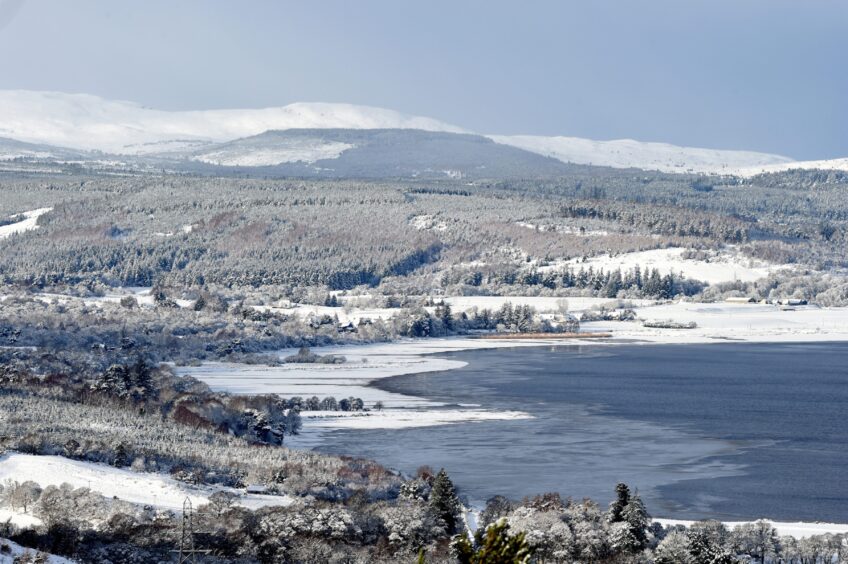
pixel 121 458
pixel 443 500
pixel 616 508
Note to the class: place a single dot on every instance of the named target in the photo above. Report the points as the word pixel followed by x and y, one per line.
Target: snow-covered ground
pixel 18 518
pixel 15 550
pixel 799 530
pixel 627 153
pixel 28 221
pixel 542 304
pixel 143 296
pixel 736 322
pixel 145 488
pixel 724 265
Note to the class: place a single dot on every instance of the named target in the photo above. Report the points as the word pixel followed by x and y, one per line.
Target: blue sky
pixel 768 75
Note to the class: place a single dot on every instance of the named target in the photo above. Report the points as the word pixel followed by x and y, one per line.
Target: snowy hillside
pixel 375 153
pixel 25 221
pixel 284 151
pixel 832 164
pixel 12 553
pixel 715 267
pixel 627 153
pixel 82 121
pixel 143 488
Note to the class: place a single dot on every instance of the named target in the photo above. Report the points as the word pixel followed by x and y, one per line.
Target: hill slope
pixel 374 153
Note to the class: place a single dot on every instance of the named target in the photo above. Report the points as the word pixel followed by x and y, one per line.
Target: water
pixel 727 431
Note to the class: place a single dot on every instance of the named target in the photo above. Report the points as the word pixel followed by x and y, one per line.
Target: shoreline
pixel 368 363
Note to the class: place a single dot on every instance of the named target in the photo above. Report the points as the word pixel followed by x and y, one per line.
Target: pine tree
pixel 667 286
pixel 613 284
pixel 636 517
pixel 447 317
pixel 141 379
pixel 121 459
pixel 443 500
pixel 616 508
pixel 637 276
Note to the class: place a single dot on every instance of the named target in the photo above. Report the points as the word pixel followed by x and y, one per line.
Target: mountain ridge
pixel 64 123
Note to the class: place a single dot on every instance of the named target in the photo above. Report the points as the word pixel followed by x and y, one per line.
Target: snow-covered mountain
pixel 627 153
pixel 82 121
pixel 53 123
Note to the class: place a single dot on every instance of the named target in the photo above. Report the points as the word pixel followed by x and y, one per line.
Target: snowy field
pixel 28 221
pixel 731 322
pixel 722 266
pixel 19 518
pixel 542 304
pixel 143 488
